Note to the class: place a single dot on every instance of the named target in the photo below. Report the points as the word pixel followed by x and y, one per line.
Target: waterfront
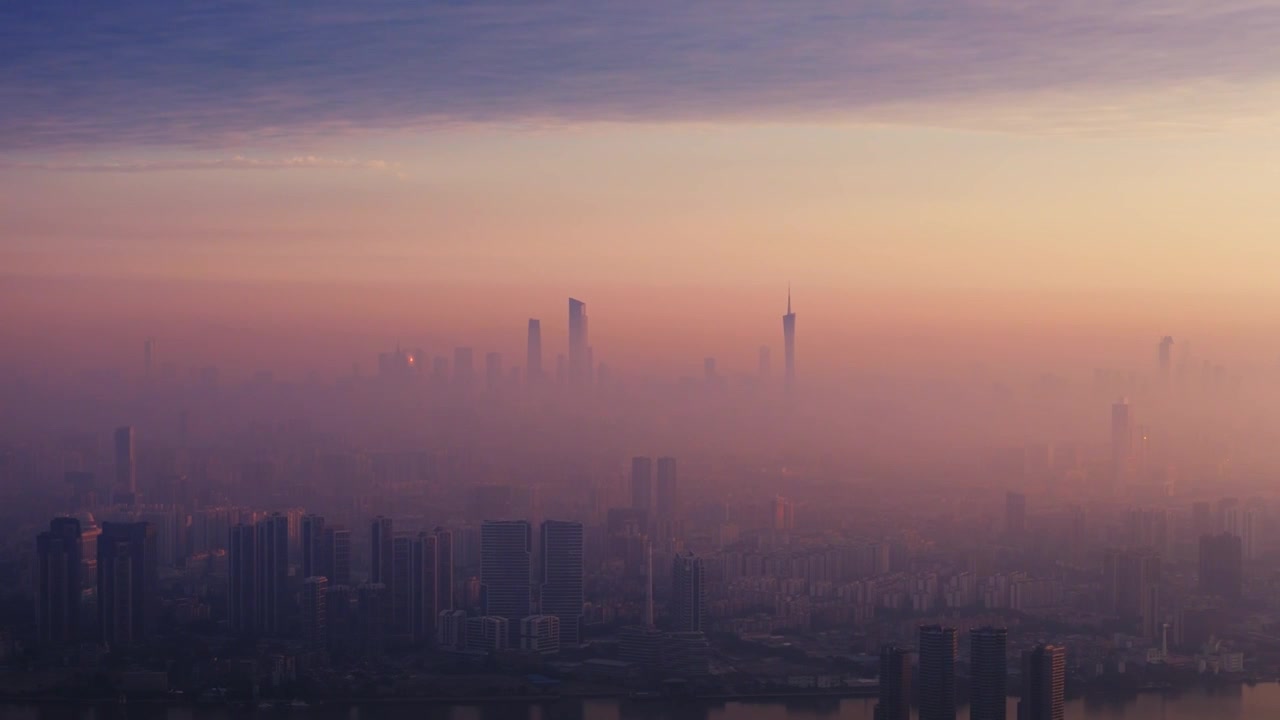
pixel 1237 702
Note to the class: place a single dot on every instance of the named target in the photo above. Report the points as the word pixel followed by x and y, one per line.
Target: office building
pixel 937 673
pixel 1222 566
pixel 505 559
pixel 894 699
pixel 988 673
pixel 562 578
pixel 641 483
pixel 380 539
pixel 128 582
pixel 335 556
pixel 688 594
pixel 59 562
pixel 426 565
pixel 533 353
pixel 315 623
pixel 312 537
pixel 789 343
pixel 242 581
pixel 402 588
pixel 271 574
pixel 444 572
pixel 126 487
pixel 1131 580
pixel 1044 673
pixel 579 348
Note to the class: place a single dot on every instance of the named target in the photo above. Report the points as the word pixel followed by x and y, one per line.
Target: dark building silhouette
pixel 312 537
pixel 493 371
pixel 444 574
pixel 242 580
pixel 666 499
pixel 126 487
pixel 128 579
pixel 315 622
pixel 562 577
pixel 505 565
pixel 402 588
pixel 894 699
pixel 1222 565
pixel 641 483
pixel 334 557
pixel 426 586
pixel 579 348
pixel 1166 359
pixel 1132 585
pixel 533 353
pixel 789 343
pixel 1015 514
pixel 988 673
pixel 380 538
pixel 271 574
pixel 688 594
pixel 937 673
pixel 59 557
pixel 1044 673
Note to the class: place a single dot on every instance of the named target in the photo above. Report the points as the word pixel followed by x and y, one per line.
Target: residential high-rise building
pixel 533 353
pixel 315 623
pixel 562 578
pixel 128 582
pixel 1131 581
pixel 541 634
pixel 505 557
pixel 666 499
pixel 444 572
pixel 688 594
pixel 59 558
pixel 641 483
pixel 894 699
pixel 335 556
pixel 402 588
pixel 313 563
pixel 242 580
pixel 126 487
pixel 1166 359
pixel 380 538
pixel 789 342
pixel 937 673
pixel 988 673
pixel 1221 566
pixel 1044 673
pixel 783 511
pixel 1121 440
pixel 426 590
pixel 488 633
pixel 271 574
pixel 579 347
pixel 1015 514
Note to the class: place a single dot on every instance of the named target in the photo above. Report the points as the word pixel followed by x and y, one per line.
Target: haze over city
pixel 920 358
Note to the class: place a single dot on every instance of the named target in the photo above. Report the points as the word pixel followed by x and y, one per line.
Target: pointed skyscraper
pixel 789 340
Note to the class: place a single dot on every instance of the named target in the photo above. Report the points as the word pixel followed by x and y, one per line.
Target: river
pixel 1224 703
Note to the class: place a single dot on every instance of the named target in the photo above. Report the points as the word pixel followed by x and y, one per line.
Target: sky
pixel 334 177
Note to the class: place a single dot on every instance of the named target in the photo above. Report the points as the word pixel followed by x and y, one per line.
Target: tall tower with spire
pixel 789 340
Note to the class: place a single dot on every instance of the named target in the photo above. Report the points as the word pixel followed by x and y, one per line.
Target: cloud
pixel 238 162
pixel 212 75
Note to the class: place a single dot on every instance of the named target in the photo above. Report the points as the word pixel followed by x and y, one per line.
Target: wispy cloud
pixel 227 74
pixel 238 162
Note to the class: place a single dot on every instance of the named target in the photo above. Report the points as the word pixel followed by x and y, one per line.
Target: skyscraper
pixel 1221 565
pixel 149 358
pixel 271 574
pixel 58 585
pixel 1044 672
pixel 533 354
pixel 1166 359
pixel 1132 585
pixel 579 347
pixel 988 672
pixel 126 488
pixel 444 573
pixel 641 483
pixel 1121 440
pixel 380 533
pixel 335 556
pixel 666 499
pixel 241 557
pixel 426 587
pixel 894 700
pixel 789 342
pixel 492 371
pixel 313 535
pixel 937 673
pixel 688 594
pixel 128 579
pixel 505 559
pixel 315 623
pixel 401 587
pixel 562 577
